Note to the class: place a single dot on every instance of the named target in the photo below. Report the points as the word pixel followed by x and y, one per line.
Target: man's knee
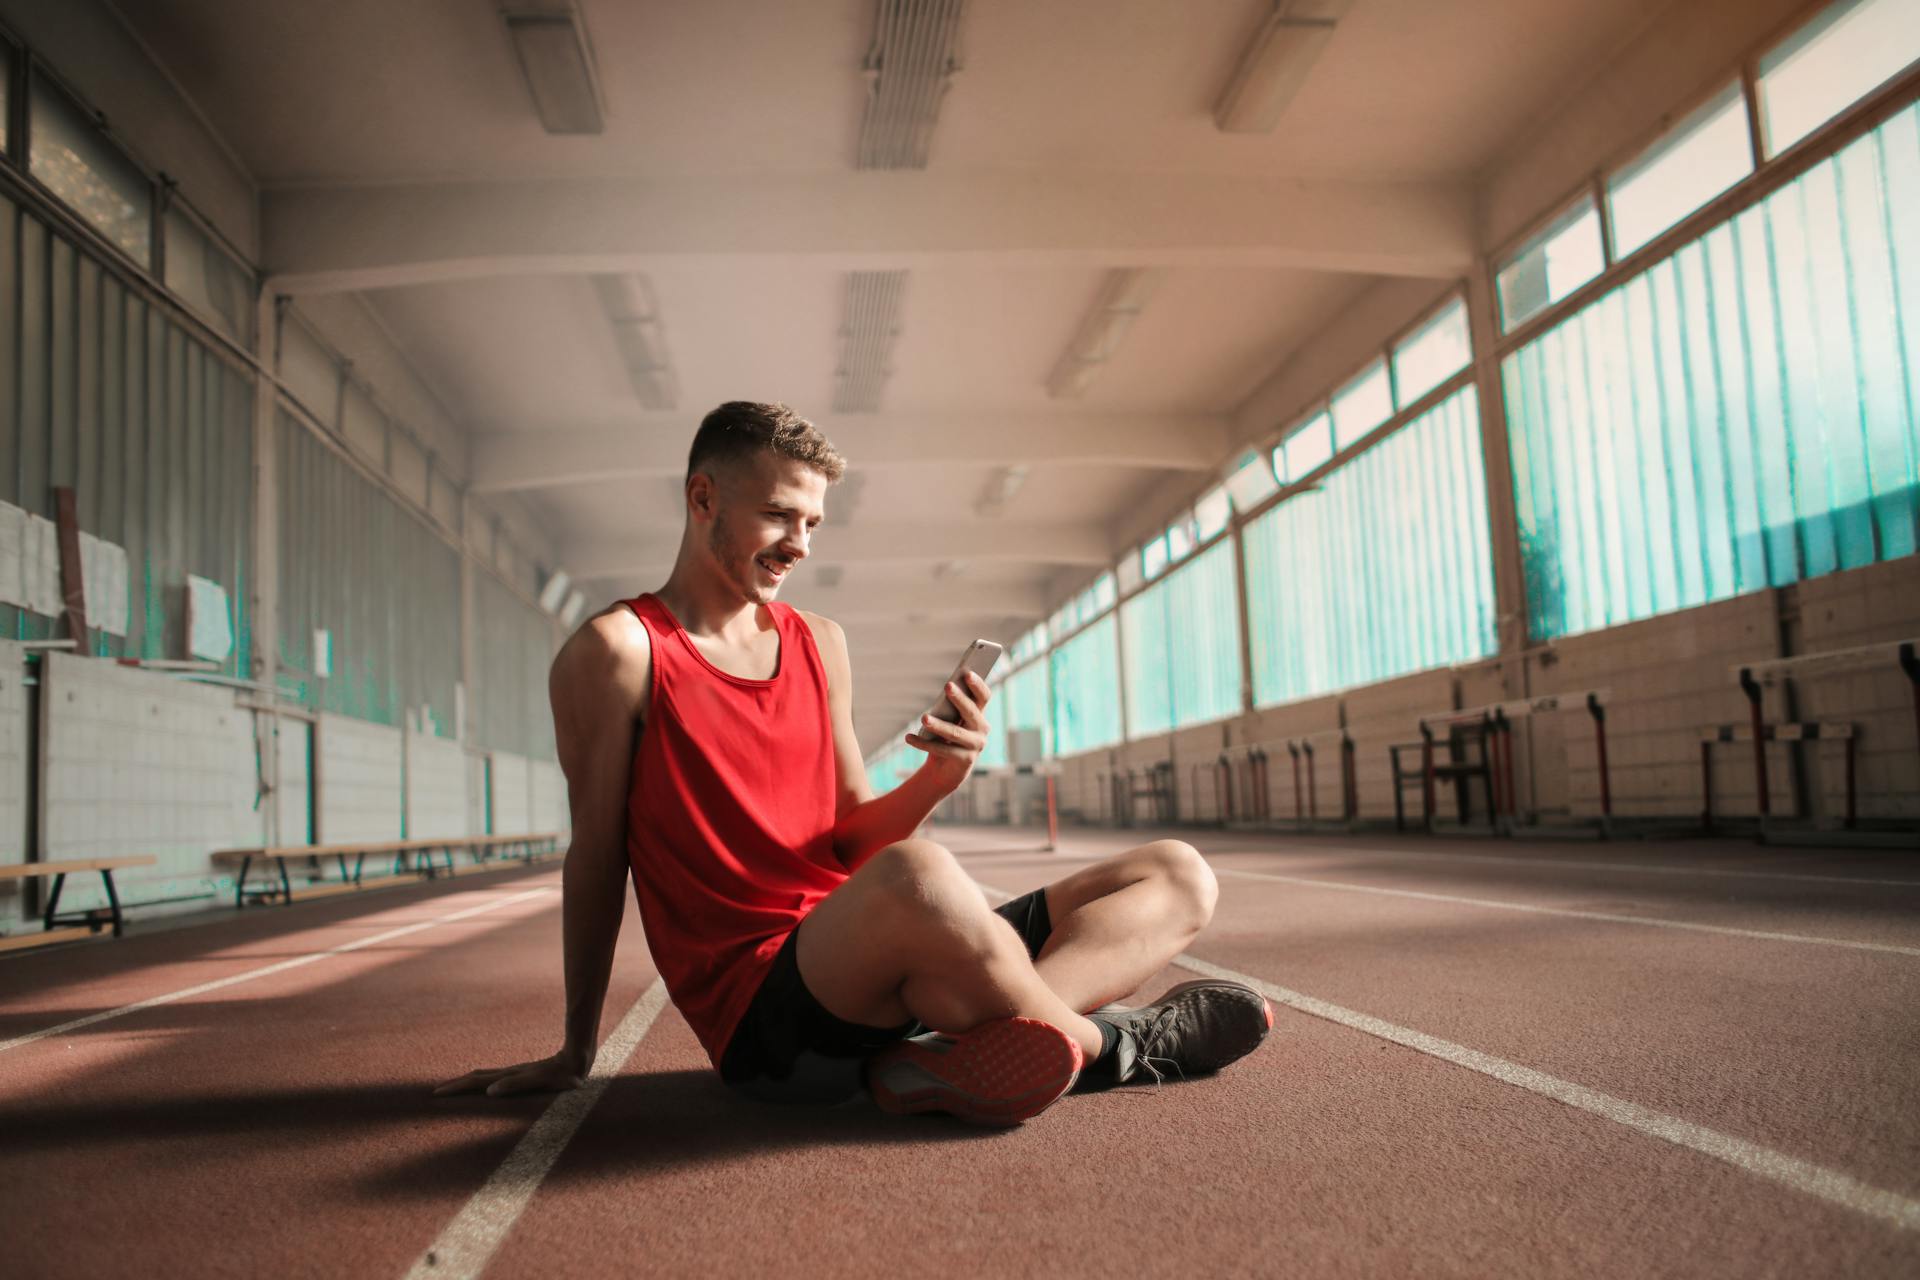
pixel 1191 879
pixel 919 878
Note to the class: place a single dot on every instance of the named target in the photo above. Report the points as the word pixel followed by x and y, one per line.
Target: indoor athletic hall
pixel 1455 468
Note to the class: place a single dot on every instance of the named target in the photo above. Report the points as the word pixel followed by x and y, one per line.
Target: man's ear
pixel 703 493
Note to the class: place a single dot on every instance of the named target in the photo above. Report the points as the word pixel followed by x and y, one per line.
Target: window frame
pixel 36 71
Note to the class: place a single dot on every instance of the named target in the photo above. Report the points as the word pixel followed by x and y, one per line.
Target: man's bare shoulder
pixel 825 630
pixel 609 656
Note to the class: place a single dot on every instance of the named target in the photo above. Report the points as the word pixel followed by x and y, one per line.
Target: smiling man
pixel 817 949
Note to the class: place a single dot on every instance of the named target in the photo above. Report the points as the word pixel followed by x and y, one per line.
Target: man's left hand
pixel 952 748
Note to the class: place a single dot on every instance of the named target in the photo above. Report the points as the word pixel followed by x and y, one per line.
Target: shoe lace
pixel 1156 1044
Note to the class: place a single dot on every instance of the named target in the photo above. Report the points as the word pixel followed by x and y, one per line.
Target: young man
pixel 706 733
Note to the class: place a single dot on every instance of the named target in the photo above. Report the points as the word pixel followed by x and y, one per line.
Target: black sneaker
pixel 1194 1029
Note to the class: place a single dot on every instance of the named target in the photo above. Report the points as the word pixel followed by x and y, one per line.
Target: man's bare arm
pixel 598 688
pixel 864 825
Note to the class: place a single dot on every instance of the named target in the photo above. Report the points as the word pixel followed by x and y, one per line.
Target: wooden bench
pixel 420 851
pixel 1492 725
pixel 51 920
pixel 1153 784
pixel 1458 768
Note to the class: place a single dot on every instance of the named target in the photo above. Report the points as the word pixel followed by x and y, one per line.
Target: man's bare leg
pixel 910 936
pixel 1120 921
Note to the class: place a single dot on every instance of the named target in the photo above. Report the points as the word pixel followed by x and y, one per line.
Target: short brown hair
pixel 739 429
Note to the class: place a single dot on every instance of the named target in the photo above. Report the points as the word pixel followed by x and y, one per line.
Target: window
pixel 208 279
pixel 1212 513
pixel 1182 538
pixel 68 152
pixel 1086 690
pixel 1030 645
pixel 1386 570
pixel 1739 415
pixel 1061 620
pixel 1691 164
pixel 1181 639
pixel 1362 405
pixel 1026 704
pixel 1154 558
pixel 1128 574
pixel 1252 481
pixel 1551 265
pixel 1309 447
pixel 1432 353
pixel 1105 592
pixel 1848 51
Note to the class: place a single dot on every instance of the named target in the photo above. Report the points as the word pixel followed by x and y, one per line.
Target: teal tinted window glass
pixel 1181 644
pixel 1181 538
pixel 1086 690
pixel 1212 513
pixel 1252 482
pixel 1025 703
pixel 1552 265
pixel 1154 557
pixel 1742 414
pixel 70 155
pixel 1697 160
pixel 994 754
pixel 1385 570
pixel 1845 53
pixel 1309 447
pixel 1362 405
pixel 1106 592
pixel 892 767
pixel 1431 354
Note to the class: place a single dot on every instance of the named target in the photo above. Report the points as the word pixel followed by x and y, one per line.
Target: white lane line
pixel 1801 1175
pixel 267 971
pixel 463 1249
pixel 1612 918
pixel 1585 865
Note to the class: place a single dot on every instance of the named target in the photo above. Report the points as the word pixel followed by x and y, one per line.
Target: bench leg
pixel 240 883
pixel 286 884
pixel 113 902
pixel 53 900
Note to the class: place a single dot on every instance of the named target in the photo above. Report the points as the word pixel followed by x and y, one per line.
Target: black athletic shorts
pixel 787 1048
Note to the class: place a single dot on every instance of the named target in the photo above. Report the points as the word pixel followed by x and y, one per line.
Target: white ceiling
pixel 1081 132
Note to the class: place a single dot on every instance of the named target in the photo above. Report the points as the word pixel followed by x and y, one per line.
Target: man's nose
pixel 794 545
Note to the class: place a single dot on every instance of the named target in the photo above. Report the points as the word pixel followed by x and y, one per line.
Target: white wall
pixel 436 786
pixel 510 791
pixel 13 775
pixel 360 781
pixel 295 746
pixel 141 763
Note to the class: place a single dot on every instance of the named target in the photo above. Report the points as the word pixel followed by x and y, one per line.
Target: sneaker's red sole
pixel 1000 1073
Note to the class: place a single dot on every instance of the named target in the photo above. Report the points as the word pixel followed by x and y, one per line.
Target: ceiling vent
pixel 1276 63
pixel 557 61
pixel 634 315
pixel 867 334
pixel 909 68
pixel 1122 297
pixel 1000 488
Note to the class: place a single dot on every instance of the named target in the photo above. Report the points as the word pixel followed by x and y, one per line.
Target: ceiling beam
pixel 656 445
pixel 870 611
pixel 346 238
pixel 650 551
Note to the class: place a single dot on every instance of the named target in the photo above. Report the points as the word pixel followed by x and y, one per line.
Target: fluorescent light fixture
pixel 1124 295
pixel 554 58
pixel 635 316
pixel 555 591
pixel 1276 64
pixel 570 612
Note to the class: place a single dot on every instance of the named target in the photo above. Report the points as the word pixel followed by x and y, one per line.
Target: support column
pixel 265 600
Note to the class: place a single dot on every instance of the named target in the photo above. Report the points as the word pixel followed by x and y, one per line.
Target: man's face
pixel 764 513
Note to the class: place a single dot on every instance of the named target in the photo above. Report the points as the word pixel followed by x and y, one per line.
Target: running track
pixel 1595 1060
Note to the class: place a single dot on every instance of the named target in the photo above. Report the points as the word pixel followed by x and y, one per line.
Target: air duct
pixel 909 68
pixel 1123 296
pixel 635 316
pixel 868 330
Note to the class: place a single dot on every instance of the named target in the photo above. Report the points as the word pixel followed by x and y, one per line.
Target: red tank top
pixel 729 816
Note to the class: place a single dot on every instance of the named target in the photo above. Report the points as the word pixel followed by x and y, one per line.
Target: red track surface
pixel 281 1126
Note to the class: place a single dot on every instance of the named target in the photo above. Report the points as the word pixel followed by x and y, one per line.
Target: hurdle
pixel 1306 803
pixel 1497 719
pixel 1755 678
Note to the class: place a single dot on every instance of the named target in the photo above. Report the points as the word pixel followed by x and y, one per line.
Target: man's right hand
pixel 561 1072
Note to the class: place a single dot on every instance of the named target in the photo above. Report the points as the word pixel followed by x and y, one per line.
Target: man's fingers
pixel 470 1082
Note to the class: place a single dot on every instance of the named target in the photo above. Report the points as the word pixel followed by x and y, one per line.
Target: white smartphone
pixel 979 659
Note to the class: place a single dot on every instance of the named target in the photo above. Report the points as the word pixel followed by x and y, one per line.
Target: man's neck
pixel 707 604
